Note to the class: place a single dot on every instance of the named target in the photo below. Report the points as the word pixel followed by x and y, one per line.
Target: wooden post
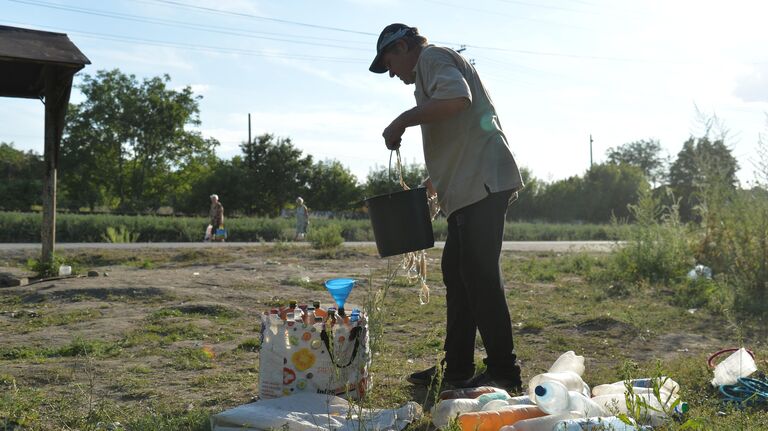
pixel 58 84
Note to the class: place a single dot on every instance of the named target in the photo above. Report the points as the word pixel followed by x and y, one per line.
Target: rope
pixel 415 263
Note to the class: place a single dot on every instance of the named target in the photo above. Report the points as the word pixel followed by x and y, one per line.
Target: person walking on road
pixel 475 177
pixel 216 215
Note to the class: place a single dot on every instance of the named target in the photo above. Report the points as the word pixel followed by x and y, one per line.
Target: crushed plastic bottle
pixel 567 369
pixel 547 422
pixel 596 423
pixel 554 398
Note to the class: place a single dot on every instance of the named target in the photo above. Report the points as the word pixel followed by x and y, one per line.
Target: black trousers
pixel 475 290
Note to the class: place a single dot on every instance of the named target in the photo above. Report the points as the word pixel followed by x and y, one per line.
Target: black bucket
pixel 401 221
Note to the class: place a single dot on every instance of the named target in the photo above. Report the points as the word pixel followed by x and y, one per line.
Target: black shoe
pixel 427 377
pixel 513 385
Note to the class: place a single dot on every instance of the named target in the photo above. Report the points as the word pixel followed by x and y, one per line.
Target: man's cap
pixel 388 36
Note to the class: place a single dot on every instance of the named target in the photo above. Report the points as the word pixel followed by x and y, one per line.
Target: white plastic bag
pixel 208 233
pixel 313 412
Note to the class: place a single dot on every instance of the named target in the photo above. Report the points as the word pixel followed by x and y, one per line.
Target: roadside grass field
pixel 169 337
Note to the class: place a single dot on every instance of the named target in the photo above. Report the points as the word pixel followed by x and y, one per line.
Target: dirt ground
pixel 136 327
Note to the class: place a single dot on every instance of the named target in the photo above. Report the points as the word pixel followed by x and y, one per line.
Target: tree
pixel 21 178
pixel 332 187
pixel 274 174
pixel 644 154
pixel 123 143
pixel 527 205
pixel 609 189
pixel 701 165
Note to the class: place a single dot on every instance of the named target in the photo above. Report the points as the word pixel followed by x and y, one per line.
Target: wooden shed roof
pixel 25 53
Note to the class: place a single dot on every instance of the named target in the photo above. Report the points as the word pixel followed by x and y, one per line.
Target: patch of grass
pixel 164 333
pixel 78 347
pixel 192 358
pixel 64 318
pixel 250 345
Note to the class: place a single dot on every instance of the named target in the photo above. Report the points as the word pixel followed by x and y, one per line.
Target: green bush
pixel 658 249
pixel 325 237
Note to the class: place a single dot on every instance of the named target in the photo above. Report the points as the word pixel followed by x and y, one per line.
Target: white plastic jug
pixel 617 403
pixel 547 422
pixel 596 423
pixel 569 379
pixel 447 410
pixel 738 364
pixel 568 361
pixel 554 398
pixel 65 270
pixel 639 386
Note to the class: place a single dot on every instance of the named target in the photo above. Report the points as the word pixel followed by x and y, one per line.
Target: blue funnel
pixel 340 288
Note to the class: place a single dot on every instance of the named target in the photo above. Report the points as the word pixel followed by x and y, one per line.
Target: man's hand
pixel 393 134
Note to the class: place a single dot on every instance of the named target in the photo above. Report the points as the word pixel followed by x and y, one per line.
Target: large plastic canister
pixel 567 369
pixel 639 386
pixel 739 364
pixel 494 420
pixel 569 379
pixel 543 423
pixel 446 410
pixel 596 423
pixel 617 403
pixel 568 361
pixel 468 392
pixel 554 398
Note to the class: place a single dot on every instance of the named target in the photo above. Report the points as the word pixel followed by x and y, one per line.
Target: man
pixel 475 177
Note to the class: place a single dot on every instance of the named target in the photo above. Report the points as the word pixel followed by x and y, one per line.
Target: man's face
pixel 400 63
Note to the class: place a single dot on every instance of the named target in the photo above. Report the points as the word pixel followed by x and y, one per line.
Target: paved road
pixel 534 246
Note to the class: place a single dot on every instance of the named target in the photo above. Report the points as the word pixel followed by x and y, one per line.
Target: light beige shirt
pixel 468 152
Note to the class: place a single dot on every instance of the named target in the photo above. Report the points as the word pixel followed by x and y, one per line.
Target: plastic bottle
pixel 319 311
pixel 639 386
pixel 355 316
pixel 468 392
pixel 569 379
pixel 274 317
pixel 494 420
pixel 567 369
pixel 554 398
pixel 446 410
pixel 568 361
pixel 547 422
pixel 596 423
pixel 520 400
pixel 617 403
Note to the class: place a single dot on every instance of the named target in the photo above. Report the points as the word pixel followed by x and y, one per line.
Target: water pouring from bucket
pixel 340 288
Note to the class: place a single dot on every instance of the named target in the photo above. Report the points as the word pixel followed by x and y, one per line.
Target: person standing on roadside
pixel 475 177
pixel 216 214
pixel 302 219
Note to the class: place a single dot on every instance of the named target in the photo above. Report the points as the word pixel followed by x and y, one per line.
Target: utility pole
pixel 464 48
pixel 249 128
pixel 590 150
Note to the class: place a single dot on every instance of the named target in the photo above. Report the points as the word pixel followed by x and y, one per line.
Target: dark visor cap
pixel 388 36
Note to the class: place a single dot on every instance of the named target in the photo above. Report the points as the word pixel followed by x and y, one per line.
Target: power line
pixel 248 15
pixel 179 24
pixel 196 47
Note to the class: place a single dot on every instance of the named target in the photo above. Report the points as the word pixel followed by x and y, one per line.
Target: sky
pixel 558 71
